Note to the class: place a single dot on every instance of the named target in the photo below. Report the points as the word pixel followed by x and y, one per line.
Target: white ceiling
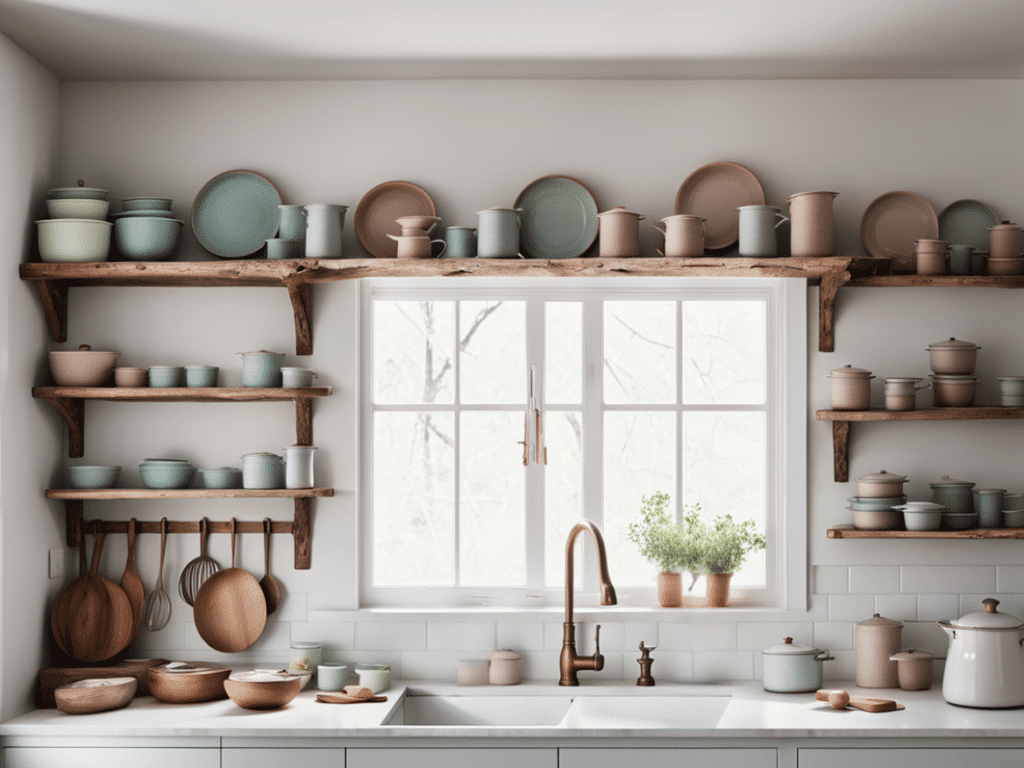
pixel 337 39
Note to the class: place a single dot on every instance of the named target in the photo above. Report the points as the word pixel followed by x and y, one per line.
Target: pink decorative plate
pixel 376 213
pixel 715 191
pixel 891 224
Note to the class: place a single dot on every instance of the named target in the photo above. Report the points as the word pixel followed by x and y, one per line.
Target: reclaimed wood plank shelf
pixel 299 527
pixel 841 421
pixel 69 402
pixel 52 280
pixel 937 281
pixel 849 532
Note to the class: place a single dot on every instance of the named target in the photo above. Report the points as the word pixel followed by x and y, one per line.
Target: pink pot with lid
pixel 881 484
pixel 851 388
pixel 877 640
pixel 1005 240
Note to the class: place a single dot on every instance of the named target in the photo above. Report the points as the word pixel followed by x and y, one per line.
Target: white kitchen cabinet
pixel 282 758
pixel 888 757
pixel 426 757
pixel 110 757
pixel 670 758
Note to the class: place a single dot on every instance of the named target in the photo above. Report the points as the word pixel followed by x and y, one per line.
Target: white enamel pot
pixel 985 662
pixel 792 667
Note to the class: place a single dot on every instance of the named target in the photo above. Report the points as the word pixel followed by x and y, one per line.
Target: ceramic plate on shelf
pixel 235 214
pixel 966 222
pixel 715 191
pixel 558 220
pixel 891 224
pixel 376 213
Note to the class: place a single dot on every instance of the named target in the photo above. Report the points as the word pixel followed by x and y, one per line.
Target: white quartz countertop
pixel 751 713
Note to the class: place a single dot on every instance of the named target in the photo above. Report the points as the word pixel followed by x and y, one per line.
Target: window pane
pixel 640 351
pixel 492 499
pixel 413 344
pixel 725 471
pixel 724 352
pixel 639 460
pixel 563 352
pixel 493 346
pixel 413 499
pixel 563 488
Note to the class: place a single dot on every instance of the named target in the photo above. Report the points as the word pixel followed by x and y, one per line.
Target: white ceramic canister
pixel 812 228
pixel 619 233
pixel 877 639
pixel 262 471
pixel 757 230
pixel 504 668
pixel 985 662
pixel 497 233
pixel 851 388
pixel 324 222
pixel 306 656
pixel 684 235
pixel 261 368
pixel 297 377
pixel 298 466
pixel 792 667
pixel 901 393
pixel 376 677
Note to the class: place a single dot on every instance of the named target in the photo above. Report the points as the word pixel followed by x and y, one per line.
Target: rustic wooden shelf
pixel 937 281
pixel 299 527
pixel 849 532
pixel 841 421
pixel 69 402
pixel 52 280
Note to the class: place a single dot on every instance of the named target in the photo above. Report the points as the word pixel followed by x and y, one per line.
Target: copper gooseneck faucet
pixel 569 663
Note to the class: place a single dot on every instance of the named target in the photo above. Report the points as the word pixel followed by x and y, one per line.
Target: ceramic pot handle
pixel 781 219
pixel 444 247
pixel 659 225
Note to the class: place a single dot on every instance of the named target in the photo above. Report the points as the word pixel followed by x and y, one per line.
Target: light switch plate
pixel 56 563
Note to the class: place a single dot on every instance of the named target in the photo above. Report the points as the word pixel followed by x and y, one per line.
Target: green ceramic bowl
pixel 161 475
pixel 93 476
pixel 147 238
pixel 147 203
pixel 201 375
pixel 960 521
pixel 222 477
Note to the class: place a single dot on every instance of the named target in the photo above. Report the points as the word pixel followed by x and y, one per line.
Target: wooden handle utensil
pixel 842 700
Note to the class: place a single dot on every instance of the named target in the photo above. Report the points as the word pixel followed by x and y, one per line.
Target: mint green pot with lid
pixel 954 495
pixel 261 368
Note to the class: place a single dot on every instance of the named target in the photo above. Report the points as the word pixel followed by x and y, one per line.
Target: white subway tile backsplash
pixel 391 636
pixel 899 607
pixel 757 637
pixel 925 636
pixel 672 666
pixel 1010 578
pixel 833 635
pixel 442 636
pixel 633 633
pixel 715 666
pixel 850 607
pixel 968 578
pixel 540 665
pixel 690 637
pixel 437 666
pixel 293 607
pixel 937 607
pixel 842 667
pixel 520 636
pixel 920 578
pixel 611 635
pixel 332 635
pixel 874 579
pixel 831 579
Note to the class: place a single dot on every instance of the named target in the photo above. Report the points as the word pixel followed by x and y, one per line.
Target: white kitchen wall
pixel 29 526
pixel 476 144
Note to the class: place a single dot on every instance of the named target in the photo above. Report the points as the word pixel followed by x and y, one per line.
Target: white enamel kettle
pixel 985 662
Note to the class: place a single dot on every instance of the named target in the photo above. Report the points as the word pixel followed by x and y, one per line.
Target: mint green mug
pixel 461 243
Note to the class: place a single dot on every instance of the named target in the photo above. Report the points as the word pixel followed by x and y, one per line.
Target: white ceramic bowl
pixel 878 520
pixel 922 519
pixel 72 208
pixel 74 239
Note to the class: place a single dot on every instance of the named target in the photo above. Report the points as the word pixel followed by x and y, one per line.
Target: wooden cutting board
pixel 863 703
pixel 52 678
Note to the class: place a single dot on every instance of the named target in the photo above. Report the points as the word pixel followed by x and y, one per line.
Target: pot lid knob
pixel 990 604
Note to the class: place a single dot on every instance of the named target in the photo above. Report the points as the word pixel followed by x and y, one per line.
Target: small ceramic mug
pixel 461 243
pixel 330 676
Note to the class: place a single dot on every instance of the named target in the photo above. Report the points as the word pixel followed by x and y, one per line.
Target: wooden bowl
pixel 197 681
pixel 263 693
pixel 95 695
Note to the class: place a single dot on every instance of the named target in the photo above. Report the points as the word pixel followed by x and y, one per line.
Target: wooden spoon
pixel 271 589
pixel 131 583
pixel 841 700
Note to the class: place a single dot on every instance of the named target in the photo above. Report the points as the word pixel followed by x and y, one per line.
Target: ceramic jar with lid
pixel 877 640
pixel 1005 240
pixel 953 357
pixel 914 669
pixel 851 389
pixel 504 667
pixel 792 667
pixel 901 393
pixel 881 484
pixel 954 495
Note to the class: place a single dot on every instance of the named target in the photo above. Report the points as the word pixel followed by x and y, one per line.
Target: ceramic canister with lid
pixel 298 466
pixel 851 388
pixel 914 669
pixel 881 484
pixel 261 471
pixel 985 661
pixel 812 230
pixel 954 495
pixel 504 668
pixel 953 357
pixel 877 639
pixel 1005 240
pixel 792 667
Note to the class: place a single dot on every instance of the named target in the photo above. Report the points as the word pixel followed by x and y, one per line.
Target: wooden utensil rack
pixel 299 526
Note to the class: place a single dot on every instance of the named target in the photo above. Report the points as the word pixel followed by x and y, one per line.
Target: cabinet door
pixel 670 758
pixel 452 758
pixel 110 757
pixel 910 758
pixel 253 757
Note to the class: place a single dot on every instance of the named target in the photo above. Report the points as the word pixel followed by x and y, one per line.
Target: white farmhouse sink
pixel 561 711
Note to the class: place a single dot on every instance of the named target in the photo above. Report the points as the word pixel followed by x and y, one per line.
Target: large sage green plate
pixel 966 222
pixel 558 220
pixel 235 214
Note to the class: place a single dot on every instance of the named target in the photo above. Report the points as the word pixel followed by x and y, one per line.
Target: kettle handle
pixel 781 219
pixel 659 225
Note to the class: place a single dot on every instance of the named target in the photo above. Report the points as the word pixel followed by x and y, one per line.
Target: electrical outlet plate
pixel 56 563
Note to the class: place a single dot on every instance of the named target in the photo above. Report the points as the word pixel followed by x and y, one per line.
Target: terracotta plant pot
pixel 670 589
pixel 718 589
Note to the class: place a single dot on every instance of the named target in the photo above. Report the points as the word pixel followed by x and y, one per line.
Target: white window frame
pixel 787 331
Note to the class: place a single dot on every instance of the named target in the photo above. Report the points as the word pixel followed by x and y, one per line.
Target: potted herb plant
pixel 723 548
pixel 668 545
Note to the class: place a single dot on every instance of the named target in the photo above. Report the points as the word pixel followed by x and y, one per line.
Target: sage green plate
pixel 235 214
pixel 559 218
pixel 966 222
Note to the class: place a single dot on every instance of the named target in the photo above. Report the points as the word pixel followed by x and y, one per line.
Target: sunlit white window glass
pixel 497 413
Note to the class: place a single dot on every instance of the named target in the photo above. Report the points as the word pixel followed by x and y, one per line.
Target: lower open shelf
pixel 849 532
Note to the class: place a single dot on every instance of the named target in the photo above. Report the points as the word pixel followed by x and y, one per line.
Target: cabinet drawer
pixel 452 758
pixel 110 757
pixel 669 758
pixel 889 757
pixel 252 757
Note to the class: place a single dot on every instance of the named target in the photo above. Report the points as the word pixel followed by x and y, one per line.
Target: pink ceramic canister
pixel 851 388
pixel 684 235
pixel 1006 240
pixel 619 233
pixel 877 640
pixel 812 224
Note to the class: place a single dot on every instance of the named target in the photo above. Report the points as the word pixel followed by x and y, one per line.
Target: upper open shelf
pixel 52 280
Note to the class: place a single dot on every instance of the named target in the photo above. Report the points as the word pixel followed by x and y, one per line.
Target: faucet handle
pixel 597 641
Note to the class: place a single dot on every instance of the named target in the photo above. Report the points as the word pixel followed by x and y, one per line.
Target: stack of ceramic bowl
pixel 872 509
pixel 953 382
pixel 1013 510
pixel 166 473
pixel 955 497
pixel 1011 391
pixel 146 230
pixel 922 515
pixel 77 229
pixel 1005 241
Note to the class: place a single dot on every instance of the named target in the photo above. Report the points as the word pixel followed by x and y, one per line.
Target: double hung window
pixel 497 413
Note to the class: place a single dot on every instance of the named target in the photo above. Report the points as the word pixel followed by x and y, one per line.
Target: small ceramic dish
pixel 74 240
pixel 222 477
pixel 922 519
pixel 166 475
pixel 166 376
pixel 960 521
pixel 77 209
pixel 147 203
pixel 93 476
pixel 201 375
pixel 1013 518
pixel 876 520
pixel 127 376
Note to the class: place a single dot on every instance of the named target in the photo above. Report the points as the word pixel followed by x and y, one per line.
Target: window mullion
pixel 535 503
pixel 593 419
pixel 457 457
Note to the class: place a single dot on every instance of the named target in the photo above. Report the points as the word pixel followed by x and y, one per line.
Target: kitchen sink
pixel 561 711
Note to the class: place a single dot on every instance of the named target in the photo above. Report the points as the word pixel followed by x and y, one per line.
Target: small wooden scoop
pixel 350 694
pixel 842 700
